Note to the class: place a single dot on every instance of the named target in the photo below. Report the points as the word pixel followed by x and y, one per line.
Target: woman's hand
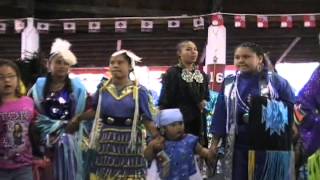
pixel 214 148
pixel 212 154
pixel 73 125
pixel 157 144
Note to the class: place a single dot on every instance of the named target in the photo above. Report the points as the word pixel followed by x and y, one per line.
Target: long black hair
pixel 46 89
pixel 31 69
pixel 9 63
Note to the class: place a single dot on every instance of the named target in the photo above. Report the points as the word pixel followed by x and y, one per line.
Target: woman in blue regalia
pixel 58 99
pixel 121 108
pixel 253 119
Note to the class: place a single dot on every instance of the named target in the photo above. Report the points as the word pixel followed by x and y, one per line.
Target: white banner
pixel 29 40
pixel 216 46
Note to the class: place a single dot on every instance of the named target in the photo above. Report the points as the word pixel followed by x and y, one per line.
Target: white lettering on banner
pixel 218 77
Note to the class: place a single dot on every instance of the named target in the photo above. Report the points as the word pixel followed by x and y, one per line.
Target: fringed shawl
pixel 276 147
pixel 48 126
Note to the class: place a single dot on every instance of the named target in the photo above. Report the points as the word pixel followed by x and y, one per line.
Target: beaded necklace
pixel 190 76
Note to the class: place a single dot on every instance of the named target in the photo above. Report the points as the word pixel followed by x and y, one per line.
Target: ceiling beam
pixel 287 51
pixel 100 10
pixel 216 5
pixel 27 6
pixel 271 6
pixel 5 2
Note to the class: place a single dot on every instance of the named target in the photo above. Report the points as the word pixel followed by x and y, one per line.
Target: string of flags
pixel 147 23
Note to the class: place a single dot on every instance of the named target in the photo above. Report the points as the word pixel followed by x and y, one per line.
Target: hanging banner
pixel 309 21
pixel 286 22
pixel 3 28
pixel 120 26
pixel 94 26
pixel 240 21
pixel 146 26
pixel 173 24
pixel 216 55
pixel 198 23
pixel 217 20
pixel 29 40
pixel 262 22
pixel 19 25
pixel 69 27
pixel 43 27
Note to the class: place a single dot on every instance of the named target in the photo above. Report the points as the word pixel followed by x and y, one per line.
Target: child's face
pixel 188 53
pixel 59 67
pixel 247 60
pixel 174 131
pixel 119 67
pixel 8 80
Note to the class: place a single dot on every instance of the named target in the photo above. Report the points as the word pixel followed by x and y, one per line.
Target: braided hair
pixel 46 89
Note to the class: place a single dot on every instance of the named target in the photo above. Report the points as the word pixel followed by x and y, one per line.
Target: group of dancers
pixel 58 131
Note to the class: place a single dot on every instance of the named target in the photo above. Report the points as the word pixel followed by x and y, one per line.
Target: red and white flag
pixel 19 25
pixel 262 22
pixel 3 28
pixel 120 26
pixel 173 24
pixel 94 27
pixel 240 21
pixel 309 21
pixel 286 22
pixel 43 27
pixel 69 27
pixel 217 20
pixel 146 26
pixel 198 23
